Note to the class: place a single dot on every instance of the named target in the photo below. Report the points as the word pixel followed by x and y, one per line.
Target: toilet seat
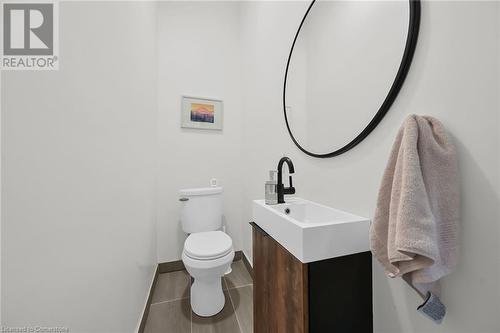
pixel 208 245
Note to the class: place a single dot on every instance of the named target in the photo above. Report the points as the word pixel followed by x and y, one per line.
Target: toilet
pixel 208 251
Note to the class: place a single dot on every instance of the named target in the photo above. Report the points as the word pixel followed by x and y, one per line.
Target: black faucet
pixel 282 190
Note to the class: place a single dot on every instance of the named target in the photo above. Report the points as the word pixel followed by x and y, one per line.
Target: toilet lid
pixel 208 245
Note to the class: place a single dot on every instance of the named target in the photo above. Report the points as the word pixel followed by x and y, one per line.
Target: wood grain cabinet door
pixel 280 287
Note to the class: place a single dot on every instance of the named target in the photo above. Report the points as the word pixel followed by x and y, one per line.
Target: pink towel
pixel 414 233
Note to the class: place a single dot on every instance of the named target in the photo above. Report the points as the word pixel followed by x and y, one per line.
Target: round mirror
pixel 346 66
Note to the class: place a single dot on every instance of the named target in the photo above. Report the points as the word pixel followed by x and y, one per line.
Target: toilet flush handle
pixel 183 199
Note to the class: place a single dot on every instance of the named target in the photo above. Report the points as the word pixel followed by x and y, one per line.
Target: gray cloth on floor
pixel 414 233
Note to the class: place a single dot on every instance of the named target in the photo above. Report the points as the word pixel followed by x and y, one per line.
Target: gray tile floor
pixel 171 312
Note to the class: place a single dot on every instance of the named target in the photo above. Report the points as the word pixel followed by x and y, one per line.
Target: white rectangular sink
pixel 311 231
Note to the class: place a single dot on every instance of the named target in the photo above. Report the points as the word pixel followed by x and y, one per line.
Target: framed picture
pixel 201 113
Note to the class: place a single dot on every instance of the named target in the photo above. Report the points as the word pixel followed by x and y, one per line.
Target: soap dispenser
pixel 271 193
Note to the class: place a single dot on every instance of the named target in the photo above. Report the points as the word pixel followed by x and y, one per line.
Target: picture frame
pixel 201 113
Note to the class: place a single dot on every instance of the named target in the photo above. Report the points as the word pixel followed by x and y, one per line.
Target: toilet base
pixel 207 297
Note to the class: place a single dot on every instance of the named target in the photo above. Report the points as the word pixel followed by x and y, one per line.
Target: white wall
pixel 198 55
pixel 454 77
pixel 78 162
pixel 1 153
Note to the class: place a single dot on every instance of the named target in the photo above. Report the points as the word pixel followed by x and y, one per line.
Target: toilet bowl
pixel 207 256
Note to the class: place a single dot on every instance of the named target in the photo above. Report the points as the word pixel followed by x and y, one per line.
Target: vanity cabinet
pixel 333 295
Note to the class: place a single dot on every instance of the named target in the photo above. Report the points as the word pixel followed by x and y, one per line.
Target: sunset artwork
pixel 203 113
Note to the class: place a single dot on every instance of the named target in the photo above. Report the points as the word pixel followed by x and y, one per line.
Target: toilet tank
pixel 201 209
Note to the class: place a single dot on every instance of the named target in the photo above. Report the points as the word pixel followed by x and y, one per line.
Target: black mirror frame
pixel 411 43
